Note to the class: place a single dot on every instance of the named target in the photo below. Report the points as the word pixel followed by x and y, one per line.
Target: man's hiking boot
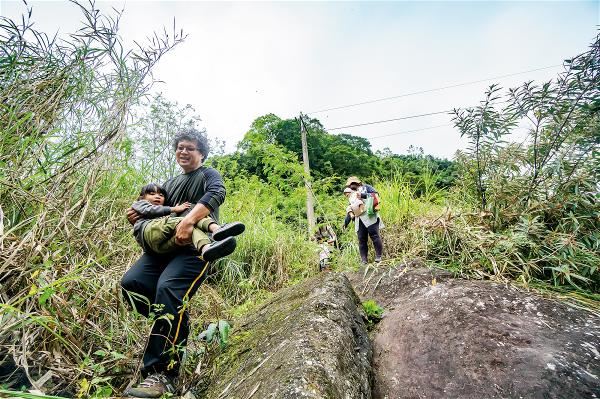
pixel 154 386
pixel 219 249
pixel 228 230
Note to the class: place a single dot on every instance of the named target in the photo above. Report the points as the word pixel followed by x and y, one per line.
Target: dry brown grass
pixel 64 110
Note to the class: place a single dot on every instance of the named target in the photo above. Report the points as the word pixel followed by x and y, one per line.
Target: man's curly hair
pixel 194 135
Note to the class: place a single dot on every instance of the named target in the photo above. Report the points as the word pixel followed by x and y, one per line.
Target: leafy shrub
pixel 373 312
pixel 539 198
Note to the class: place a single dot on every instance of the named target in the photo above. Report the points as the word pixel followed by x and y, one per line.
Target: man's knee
pixel 174 292
pixel 129 282
pixel 134 289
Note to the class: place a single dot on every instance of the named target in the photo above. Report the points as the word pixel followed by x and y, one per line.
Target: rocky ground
pixel 309 341
pixel 442 337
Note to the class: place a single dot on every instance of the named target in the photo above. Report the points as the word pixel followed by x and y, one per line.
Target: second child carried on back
pixel 155 230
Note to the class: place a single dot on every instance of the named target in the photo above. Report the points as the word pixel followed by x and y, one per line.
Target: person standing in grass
pixel 367 223
pixel 164 284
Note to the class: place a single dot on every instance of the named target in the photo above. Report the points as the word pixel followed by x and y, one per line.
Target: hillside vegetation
pixel 79 128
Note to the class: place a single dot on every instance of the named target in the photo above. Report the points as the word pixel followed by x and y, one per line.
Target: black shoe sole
pixel 219 249
pixel 229 230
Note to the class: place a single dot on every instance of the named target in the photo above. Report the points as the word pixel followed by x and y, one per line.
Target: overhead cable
pixel 431 90
pixel 391 120
pixel 409 131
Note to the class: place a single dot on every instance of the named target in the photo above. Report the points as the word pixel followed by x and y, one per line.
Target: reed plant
pixel 64 175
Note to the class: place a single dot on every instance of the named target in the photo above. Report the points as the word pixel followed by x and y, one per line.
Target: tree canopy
pixel 334 155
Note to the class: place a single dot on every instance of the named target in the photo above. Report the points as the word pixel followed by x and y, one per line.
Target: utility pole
pixel 310 209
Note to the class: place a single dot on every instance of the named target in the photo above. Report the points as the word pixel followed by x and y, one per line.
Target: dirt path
pixel 451 338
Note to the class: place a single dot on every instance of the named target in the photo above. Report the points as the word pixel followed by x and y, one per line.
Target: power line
pixel 418 130
pixel 432 90
pixel 495 102
pixel 391 120
pixel 408 131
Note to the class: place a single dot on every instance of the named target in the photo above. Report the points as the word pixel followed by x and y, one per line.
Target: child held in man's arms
pixel 155 230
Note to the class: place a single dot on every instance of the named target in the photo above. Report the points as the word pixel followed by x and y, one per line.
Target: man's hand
pixel 183 232
pixel 132 216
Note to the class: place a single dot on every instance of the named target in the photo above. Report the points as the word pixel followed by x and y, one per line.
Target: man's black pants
pixel 363 233
pixel 162 284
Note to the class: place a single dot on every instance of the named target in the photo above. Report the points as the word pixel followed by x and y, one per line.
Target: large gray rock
pixel 443 337
pixel 309 341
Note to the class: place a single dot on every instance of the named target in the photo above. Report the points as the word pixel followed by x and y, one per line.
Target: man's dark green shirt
pixel 202 186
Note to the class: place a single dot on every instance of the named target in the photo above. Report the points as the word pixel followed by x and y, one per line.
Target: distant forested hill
pixel 334 155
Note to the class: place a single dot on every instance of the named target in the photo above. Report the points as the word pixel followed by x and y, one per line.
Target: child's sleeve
pixel 347 220
pixel 149 211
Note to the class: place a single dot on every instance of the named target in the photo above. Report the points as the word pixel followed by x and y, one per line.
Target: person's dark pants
pixel 161 284
pixel 363 236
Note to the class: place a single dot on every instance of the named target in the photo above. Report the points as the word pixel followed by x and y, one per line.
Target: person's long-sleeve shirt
pixel 202 186
pixel 147 212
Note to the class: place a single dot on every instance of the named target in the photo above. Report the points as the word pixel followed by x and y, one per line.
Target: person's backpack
pixel 372 204
pixel 369 205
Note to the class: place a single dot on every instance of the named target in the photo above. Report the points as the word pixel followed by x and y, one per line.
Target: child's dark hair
pixel 152 188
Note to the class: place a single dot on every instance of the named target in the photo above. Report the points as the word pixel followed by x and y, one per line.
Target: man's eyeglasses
pixel 184 148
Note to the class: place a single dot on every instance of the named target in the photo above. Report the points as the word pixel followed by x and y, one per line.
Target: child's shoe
pixel 219 249
pixel 228 230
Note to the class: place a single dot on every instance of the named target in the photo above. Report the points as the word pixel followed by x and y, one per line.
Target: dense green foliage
pixel 334 156
pixel 540 197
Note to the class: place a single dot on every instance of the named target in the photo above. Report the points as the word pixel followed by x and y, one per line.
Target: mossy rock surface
pixel 309 341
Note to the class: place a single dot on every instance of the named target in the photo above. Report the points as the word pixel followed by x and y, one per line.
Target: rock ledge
pixel 309 341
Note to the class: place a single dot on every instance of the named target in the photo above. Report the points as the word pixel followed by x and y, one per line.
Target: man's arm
pixel 214 190
pixel 214 196
pixel 183 231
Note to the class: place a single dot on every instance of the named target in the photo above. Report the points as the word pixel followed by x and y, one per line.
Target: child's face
pixel 155 198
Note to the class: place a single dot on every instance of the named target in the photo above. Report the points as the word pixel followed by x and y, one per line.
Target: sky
pixel 242 60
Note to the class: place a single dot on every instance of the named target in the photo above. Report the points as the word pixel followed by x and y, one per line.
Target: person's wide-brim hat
pixel 352 179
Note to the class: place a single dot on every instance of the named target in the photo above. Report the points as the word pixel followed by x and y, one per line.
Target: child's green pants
pixel 159 234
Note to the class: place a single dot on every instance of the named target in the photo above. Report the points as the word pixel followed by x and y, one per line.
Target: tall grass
pixel 274 249
pixel 539 198
pixel 64 174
